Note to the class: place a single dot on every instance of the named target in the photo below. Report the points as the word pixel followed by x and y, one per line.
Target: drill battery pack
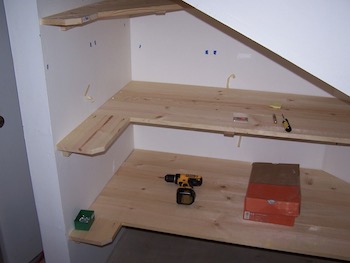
pixel 185 196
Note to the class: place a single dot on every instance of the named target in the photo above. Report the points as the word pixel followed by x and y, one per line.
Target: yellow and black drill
pixel 185 195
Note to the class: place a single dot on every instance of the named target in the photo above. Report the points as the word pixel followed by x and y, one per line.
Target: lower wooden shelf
pixel 138 196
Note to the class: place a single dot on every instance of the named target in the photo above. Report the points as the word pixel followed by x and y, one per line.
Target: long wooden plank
pixel 95 135
pixel 315 119
pixel 138 196
pixel 312 118
pixel 110 9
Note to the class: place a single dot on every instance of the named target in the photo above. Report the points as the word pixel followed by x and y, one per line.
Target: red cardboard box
pixel 273 194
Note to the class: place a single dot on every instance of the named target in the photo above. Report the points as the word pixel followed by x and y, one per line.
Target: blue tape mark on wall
pixel 206 52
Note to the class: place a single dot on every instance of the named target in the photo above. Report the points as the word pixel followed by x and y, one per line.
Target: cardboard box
pixel 273 194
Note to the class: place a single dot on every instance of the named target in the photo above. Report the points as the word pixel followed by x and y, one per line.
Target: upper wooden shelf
pixel 137 196
pixel 110 9
pixel 313 119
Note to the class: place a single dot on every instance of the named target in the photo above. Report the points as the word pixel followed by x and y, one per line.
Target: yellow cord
pixel 228 80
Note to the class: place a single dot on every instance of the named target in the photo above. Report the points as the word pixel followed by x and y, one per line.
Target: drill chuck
pixel 170 178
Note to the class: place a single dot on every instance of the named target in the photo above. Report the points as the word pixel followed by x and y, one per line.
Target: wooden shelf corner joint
pixel 101 233
pixel 313 119
pixel 95 135
pixel 138 197
pixel 109 9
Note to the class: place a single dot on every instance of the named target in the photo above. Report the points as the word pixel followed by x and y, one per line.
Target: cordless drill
pixel 185 195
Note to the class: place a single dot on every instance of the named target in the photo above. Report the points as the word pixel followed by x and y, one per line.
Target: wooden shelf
pixel 314 119
pixel 138 196
pixel 110 9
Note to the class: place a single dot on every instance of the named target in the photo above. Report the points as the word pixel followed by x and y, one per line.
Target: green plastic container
pixel 84 220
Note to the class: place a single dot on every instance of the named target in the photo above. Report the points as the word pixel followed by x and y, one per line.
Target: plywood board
pixel 95 135
pixel 315 119
pixel 138 196
pixel 102 232
pixel 110 9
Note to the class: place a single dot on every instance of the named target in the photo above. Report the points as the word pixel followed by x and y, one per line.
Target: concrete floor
pixel 140 246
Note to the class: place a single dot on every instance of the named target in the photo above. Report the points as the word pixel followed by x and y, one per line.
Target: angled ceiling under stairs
pixel 313 35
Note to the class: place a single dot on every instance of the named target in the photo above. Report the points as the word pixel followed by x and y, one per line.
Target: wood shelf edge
pixel 94 135
pixel 244 132
pixel 101 233
pixel 109 9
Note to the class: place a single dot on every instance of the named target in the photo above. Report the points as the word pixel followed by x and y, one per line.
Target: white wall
pixel 18 242
pixel 330 158
pixel 95 56
pixel 26 48
pixel 337 161
pixel 81 180
pixel 53 70
pixel 314 35
pixel 172 48
pixel 218 146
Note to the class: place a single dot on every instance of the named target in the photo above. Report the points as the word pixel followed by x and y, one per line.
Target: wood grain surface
pixel 110 9
pixel 315 119
pixel 138 196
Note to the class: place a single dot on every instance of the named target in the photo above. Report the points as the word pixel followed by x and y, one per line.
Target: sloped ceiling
pixel 314 35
